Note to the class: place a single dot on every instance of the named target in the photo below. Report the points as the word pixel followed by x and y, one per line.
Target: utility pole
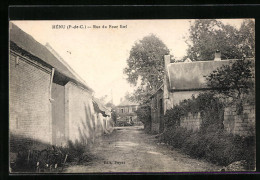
pixel 112 96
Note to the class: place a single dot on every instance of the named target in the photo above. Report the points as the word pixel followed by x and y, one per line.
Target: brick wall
pixel 29 105
pixel 243 124
pixel 191 121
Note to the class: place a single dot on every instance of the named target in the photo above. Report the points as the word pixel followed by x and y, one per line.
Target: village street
pixel 129 149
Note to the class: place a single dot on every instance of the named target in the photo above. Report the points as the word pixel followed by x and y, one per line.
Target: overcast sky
pixel 99 55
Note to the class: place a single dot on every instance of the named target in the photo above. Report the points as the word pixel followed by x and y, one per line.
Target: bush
pixel 215 146
pixel 78 152
pixel 210 107
pixel 48 158
pixel 144 115
pixel 175 136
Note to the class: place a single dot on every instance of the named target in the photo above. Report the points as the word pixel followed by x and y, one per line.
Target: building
pixel 182 81
pixel 48 102
pixel 157 110
pixel 103 121
pixel 126 111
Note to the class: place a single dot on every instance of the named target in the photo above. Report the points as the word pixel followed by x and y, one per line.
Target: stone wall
pixel 243 124
pixel 191 121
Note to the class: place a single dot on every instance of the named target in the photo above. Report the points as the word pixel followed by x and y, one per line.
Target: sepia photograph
pixel 132 96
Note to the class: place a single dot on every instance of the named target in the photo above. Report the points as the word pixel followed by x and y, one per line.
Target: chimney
pixel 217 56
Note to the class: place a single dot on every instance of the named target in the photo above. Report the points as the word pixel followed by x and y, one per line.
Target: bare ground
pixel 129 149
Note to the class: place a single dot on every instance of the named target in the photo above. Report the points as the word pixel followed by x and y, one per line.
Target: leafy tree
pixel 208 35
pixel 235 81
pixel 113 111
pixel 247 38
pixel 144 115
pixel 145 66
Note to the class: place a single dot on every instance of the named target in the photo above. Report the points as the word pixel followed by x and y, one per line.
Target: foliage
pixel 50 159
pixel 113 111
pixel 78 152
pixel 39 157
pixel 208 35
pixel 213 145
pixel 209 106
pixel 146 65
pixel 144 115
pixel 247 38
pixel 124 123
pixel 114 115
pixel 234 81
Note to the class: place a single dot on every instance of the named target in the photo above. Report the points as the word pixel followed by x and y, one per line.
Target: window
pixel 122 110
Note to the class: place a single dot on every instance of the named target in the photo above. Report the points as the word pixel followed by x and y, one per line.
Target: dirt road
pixel 129 149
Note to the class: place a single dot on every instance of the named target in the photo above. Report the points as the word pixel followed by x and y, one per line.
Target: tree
pixel 247 38
pixel 208 35
pixel 113 111
pixel 144 115
pixel 235 81
pixel 145 66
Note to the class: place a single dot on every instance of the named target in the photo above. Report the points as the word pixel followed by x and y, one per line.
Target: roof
pixel 100 107
pixel 128 103
pixel 190 76
pixel 29 44
pixel 65 64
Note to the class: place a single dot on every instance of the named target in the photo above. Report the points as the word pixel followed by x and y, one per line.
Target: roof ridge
pixel 56 54
pixel 127 102
pixel 29 44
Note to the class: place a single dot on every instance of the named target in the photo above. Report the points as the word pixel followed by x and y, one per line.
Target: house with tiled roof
pixel 182 81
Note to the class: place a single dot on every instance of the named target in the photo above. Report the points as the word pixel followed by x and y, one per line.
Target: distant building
pixel 188 60
pixel 126 111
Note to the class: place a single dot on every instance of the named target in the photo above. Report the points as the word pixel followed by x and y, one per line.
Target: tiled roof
pixel 29 44
pixel 100 107
pixel 128 103
pixel 189 76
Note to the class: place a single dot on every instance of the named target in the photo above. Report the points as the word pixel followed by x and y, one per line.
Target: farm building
pixel 48 102
pixel 157 110
pixel 184 80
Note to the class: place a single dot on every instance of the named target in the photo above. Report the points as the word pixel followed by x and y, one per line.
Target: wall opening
pixel 58 110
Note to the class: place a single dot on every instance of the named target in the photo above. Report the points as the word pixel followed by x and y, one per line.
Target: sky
pixel 98 55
